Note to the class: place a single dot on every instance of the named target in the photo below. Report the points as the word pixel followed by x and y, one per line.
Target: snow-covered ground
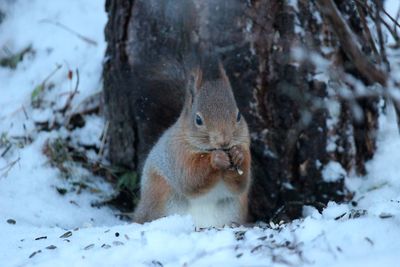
pixel 40 226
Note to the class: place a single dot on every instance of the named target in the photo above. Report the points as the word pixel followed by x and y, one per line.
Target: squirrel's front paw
pixel 220 160
pixel 237 155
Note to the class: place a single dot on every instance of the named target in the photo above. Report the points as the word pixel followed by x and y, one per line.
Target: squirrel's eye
pixel 199 120
pixel 238 116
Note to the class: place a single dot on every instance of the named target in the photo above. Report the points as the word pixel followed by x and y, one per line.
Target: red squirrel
pixel 200 166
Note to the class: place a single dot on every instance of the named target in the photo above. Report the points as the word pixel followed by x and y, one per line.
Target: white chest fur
pixel 216 208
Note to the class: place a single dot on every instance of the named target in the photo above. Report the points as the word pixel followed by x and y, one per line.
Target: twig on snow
pixel 6 150
pixel 71 95
pixel 80 36
pixel 8 167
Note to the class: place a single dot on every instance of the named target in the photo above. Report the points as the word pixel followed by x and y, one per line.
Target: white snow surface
pixel 343 235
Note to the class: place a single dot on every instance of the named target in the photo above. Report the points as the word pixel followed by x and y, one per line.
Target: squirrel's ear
pixel 223 74
pixel 193 86
pixel 196 80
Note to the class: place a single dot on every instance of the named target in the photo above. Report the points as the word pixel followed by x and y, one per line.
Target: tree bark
pixel 288 106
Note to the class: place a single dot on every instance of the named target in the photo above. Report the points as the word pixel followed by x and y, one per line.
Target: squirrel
pixel 200 166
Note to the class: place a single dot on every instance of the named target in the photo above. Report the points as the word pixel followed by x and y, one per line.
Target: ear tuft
pixel 223 74
pixel 196 80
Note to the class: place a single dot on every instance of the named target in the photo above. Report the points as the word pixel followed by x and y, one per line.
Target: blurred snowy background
pixel 51 55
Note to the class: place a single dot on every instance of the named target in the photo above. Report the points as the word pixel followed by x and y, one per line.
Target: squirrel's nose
pixel 224 145
pixel 220 140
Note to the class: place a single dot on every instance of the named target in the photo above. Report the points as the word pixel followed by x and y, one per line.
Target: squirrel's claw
pixel 237 156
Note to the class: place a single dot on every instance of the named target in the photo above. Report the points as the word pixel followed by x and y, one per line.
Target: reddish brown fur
pixel 199 165
pixel 200 177
pixel 155 196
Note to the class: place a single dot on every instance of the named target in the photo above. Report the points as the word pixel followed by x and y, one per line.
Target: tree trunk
pixel 274 54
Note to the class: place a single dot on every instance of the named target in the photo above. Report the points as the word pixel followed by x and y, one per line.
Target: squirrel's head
pixel 211 116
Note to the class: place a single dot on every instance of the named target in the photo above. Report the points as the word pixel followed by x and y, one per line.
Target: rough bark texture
pixel 281 97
